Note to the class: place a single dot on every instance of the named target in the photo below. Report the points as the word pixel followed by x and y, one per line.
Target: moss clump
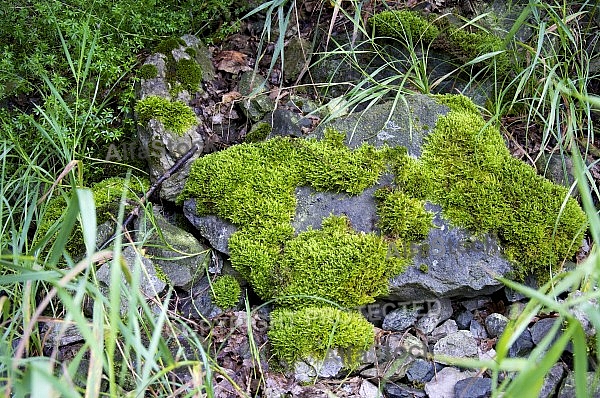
pixel 470 45
pixel 312 331
pixel 175 116
pixel 191 52
pixel 405 25
pixel 481 187
pixel 168 45
pixel 189 74
pixel 107 195
pixel 226 292
pixel 258 132
pixel 148 71
pixel 424 268
pixel 402 216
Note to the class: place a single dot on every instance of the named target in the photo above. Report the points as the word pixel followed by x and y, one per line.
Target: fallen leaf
pixel 232 62
pixel 230 97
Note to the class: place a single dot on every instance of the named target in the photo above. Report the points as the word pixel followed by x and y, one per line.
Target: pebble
pixel 400 319
pixel 442 385
pixel 463 319
pixel 459 344
pixel 473 387
pixel 495 324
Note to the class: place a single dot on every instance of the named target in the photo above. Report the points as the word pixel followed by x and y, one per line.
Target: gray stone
pixel 556 168
pixel 178 254
pixel 436 314
pixel 203 56
pixel 297 55
pixel 420 370
pixel 369 390
pixel 59 334
pixel 214 229
pixel 475 303
pixel 515 310
pixel 257 102
pixel 443 330
pixel 442 385
pixel 393 390
pixel 400 319
pixel 459 264
pixel 495 324
pixel 473 387
pixel 329 367
pixel 522 345
pixel 463 319
pixel 567 389
pixel 477 330
pixel 150 284
pixel 552 381
pixel 542 327
pixel 286 123
pixel 579 313
pixel 200 304
pixel 397 352
pixel 459 344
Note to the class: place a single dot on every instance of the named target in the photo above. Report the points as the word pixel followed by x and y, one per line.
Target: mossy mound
pixel 410 27
pixel 483 188
pixel 181 74
pixel 107 195
pixel 175 116
pixel 312 331
pixel 148 71
pixel 226 292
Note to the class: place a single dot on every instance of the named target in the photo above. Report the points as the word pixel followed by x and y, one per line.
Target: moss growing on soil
pixel 404 24
pixel 226 292
pixel 148 71
pixel 107 195
pixel 311 331
pixel 482 187
pixel 175 116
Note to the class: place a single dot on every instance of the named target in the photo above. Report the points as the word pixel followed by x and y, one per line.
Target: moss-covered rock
pixel 226 292
pixel 404 24
pixel 311 331
pixel 482 188
pixel 148 71
pixel 189 74
pixel 175 116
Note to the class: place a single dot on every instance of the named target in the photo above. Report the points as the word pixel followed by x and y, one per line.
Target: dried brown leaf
pixel 232 62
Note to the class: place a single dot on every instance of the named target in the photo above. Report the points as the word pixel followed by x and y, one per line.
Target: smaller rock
pixel 436 314
pixel 495 324
pixel 473 387
pixel 420 370
pixel 567 389
pixel 443 330
pixel 370 373
pixel 297 56
pixel 477 330
pixel 400 319
pixel 522 346
pixel 214 229
pixel 201 305
pixel 258 103
pixel 542 327
pixel 369 390
pixel 488 355
pixel 463 319
pixel 60 334
pixel 459 344
pixel 393 390
pixel 330 367
pixel 515 310
pixel 552 381
pixel 442 385
pixel 476 303
pixel 581 315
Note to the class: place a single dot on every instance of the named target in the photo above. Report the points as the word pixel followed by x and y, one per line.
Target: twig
pixel 135 212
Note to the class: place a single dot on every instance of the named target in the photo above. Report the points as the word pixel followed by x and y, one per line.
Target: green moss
pixel 168 45
pixel 226 292
pixel 148 71
pixel 481 187
pixel 312 331
pixel 107 196
pixel 470 45
pixel 401 216
pixel 189 74
pixel 404 24
pixel 175 116
pixel 191 52
pixel 258 132
pixel 424 268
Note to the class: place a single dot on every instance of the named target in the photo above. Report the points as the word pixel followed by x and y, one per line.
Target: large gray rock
pixel 162 147
pixel 567 389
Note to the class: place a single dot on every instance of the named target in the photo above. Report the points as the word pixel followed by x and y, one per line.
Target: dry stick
pixel 134 213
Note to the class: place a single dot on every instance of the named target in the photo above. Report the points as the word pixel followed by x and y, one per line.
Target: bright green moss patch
pixel 312 331
pixel 258 132
pixel 404 24
pixel 481 187
pixel 175 116
pixel 226 292
pixel 402 216
pixel 168 45
pixel 189 74
pixel 107 196
pixel 148 71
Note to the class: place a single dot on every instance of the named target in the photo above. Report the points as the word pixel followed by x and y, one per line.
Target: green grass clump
pixel 312 331
pixel 189 74
pixel 404 24
pixel 148 71
pixel 175 116
pixel 481 187
pixel 402 216
pixel 226 292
